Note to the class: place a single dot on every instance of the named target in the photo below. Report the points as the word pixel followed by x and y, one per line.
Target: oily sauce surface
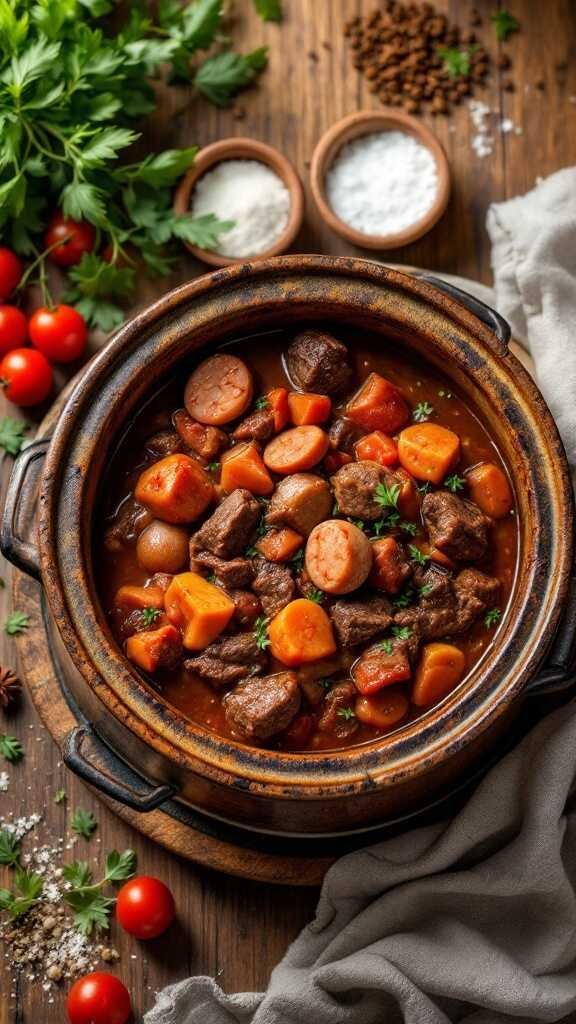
pixel 420 382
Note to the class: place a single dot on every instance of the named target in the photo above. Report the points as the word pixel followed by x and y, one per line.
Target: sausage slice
pixel 338 556
pixel 219 390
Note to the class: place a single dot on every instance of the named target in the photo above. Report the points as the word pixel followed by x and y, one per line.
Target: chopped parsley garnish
pixel 422 412
pixel 149 615
pixel 425 589
pixel 335 509
pixel 404 599
pixel 11 748
pixel 377 528
pixel 60 796
pixel 91 908
pixel 261 633
pixel 9 848
pixel 401 632
pixel 12 434
pixel 261 403
pixel 411 528
pixel 387 646
pixel 424 488
pixel 326 683
pixel 316 595
pixel 251 552
pixel 492 618
pixel 214 466
pixel 418 556
pixel 297 560
pixel 211 577
pixel 16 623
pixel 387 497
pixel 358 522
pixel 456 62
pixel 28 887
pixel 504 23
pixel 346 713
pixel 83 823
pixel 454 483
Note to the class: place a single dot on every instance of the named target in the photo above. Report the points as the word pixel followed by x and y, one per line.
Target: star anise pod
pixel 9 686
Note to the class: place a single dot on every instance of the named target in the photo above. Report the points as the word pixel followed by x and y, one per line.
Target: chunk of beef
pixel 129 520
pixel 258 426
pixel 343 435
pixel 300 501
pixel 356 622
pixel 318 362
pixel 339 698
pixel 230 527
pixel 207 442
pixel 450 607
pixel 355 488
pixel 127 623
pixel 274 586
pixel 247 607
pixel 228 660
pixel 230 572
pixel 166 442
pixel 456 526
pixel 475 592
pixel 260 708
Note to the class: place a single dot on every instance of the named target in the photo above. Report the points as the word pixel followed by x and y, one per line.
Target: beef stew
pixel 327 553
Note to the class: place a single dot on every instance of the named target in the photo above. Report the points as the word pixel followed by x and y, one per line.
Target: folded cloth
pixel 534 263
pixel 471 921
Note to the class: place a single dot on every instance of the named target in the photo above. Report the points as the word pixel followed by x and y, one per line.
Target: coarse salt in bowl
pixel 380 179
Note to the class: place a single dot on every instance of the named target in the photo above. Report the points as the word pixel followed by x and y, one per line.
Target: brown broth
pixel 419 381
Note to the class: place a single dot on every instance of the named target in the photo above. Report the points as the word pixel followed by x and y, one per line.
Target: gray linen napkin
pixel 473 920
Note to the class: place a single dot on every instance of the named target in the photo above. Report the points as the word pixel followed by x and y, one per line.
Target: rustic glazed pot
pixel 329 791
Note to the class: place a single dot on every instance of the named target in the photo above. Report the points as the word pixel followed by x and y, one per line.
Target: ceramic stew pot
pixel 289 793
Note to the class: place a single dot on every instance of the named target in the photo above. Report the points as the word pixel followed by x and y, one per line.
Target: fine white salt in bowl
pixel 381 168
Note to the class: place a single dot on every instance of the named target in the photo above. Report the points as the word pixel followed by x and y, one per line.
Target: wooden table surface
pixel 233 929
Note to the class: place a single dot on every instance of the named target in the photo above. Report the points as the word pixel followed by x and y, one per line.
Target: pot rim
pixel 436 735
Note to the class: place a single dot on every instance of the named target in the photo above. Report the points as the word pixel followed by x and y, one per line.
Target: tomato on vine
pixel 60 333
pixel 76 237
pixel 98 998
pixel 10 272
pixel 145 907
pixel 26 376
pixel 13 329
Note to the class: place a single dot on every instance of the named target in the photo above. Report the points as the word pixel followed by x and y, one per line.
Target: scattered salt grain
pixel 482 140
pixel 250 194
pixel 4 782
pixel 383 183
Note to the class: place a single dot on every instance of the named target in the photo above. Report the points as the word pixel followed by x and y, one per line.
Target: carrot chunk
pixel 390 569
pixel 439 670
pixel 376 669
pixel 428 451
pixel 199 608
pixel 242 466
pixel 409 500
pixel 277 400
pixel 377 447
pixel 175 489
pixel 383 710
pixel 280 545
pixel 301 633
pixel 296 450
pixel 308 408
pixel 378 405
pixel 155 648
pixel 490 489
pixel 134 598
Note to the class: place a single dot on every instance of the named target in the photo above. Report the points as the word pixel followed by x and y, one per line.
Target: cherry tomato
pixel 13 328
pixel 98 998
pixel 77 238
pixel 26 376
pixel 59 333
pixel 10 272
pixel 145 907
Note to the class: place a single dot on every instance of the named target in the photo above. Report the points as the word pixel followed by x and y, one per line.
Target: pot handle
pixel 558 674
pixel 75 760
pixel 490 318
pixel 22 553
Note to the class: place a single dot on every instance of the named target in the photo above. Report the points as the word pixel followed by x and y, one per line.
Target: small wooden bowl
pixel 243 149
pixel 368 122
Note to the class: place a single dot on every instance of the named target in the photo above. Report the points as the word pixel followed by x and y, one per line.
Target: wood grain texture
pixel 235 929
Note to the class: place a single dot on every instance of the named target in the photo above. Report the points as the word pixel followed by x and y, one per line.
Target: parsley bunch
pixel 73 90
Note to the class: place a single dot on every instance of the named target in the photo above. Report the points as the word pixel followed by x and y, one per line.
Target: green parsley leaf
pixel 16 623
pixel 418 556
pixel 386 496
pixel 251 552
pixel 78 873
pixel 83 823
pixel 315 595
pixel 504 23
pixel 222 76
pixel 377 528
pixel 297 561
pixel 425 589
pixel 454 483
pixel 60 796
pixel 162 170
pixel 423 488
pixel 214 466
pixel 401 632
pixel 148 616
pixel 422 412
pixel 9 848
pixel 492 618
pixel 261 633
pixel 269 10
pixel 28 887
pixel 91 910
pixel 411 528
pixel 359 523
pixel 404 599
pixel 346 713
pixel 386 646
pixel 120 866
pixel 12 434
pixel 327 683
pixel 456 62
pixel 202 231
pixel 261 403
pixel 11 748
